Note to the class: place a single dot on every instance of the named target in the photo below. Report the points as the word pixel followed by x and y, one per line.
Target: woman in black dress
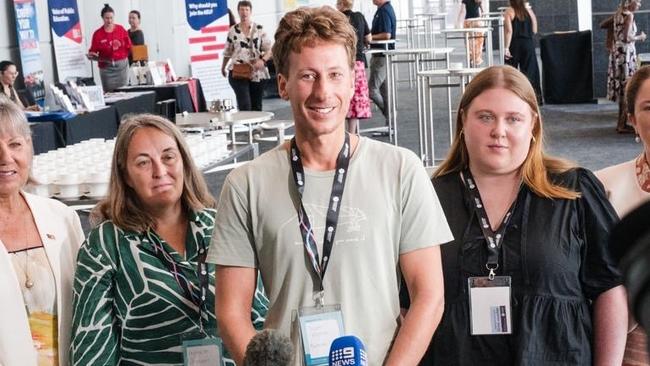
pixel 520 24
pixel 530 219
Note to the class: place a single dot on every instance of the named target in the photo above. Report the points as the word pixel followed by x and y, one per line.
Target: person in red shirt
pixel 110 47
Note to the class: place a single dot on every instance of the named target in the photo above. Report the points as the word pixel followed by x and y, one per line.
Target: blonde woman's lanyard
pixel 306 229
pixel 489 297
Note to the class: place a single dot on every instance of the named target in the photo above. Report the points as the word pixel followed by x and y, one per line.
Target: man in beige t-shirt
pixel 389 218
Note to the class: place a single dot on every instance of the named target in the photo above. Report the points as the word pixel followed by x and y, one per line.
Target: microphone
pixel 348 351
pixel 268 348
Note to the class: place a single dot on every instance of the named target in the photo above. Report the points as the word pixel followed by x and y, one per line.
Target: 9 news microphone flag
pixel 30 51
pixel 348 351
pixel 67 38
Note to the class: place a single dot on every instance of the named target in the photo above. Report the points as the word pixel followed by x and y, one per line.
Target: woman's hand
pixel 33 108
pixel 93 56
pixel 641 37
pixel 507 54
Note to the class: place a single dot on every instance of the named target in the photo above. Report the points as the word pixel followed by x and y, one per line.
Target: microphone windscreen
pixel 269 348
pixel 348 351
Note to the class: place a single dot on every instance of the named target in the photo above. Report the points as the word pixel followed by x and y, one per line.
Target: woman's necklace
pixel 643 172
pixel 29 281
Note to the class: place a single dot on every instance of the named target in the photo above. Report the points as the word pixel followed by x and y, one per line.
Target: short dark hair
pixel 5 64
pixel 633 86
pixel 136 13
pixel 244 3
pixel 107 9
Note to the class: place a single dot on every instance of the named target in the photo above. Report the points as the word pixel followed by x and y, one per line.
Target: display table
pixel 188 94
pixel 132 103
pixel 45 137
pixel 55 130
pixel 209 119
pixel 101 123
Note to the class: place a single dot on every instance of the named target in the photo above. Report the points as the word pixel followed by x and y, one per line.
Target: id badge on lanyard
pixel 319 327
pixel 199 350
pixel 490 296
pixel 199 347
pixel 489 305
pixel 321 324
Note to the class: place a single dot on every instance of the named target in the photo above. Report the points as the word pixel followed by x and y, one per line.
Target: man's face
pixel 378 2
pixel 319 85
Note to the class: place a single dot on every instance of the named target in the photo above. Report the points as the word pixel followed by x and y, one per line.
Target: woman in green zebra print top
pixel 137 288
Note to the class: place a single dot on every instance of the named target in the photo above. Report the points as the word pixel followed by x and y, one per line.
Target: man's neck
pixel 321 153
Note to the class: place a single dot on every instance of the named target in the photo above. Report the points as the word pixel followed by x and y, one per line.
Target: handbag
pixel 242 71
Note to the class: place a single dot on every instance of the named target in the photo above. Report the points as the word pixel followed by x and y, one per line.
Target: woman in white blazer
pixel 39 241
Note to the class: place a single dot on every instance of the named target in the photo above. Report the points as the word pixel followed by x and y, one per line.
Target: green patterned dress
pixel 129 309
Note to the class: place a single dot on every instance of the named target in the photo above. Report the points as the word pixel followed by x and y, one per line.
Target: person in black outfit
pixel 135 33
pixel 518 213
pixel 360 103
pixel 520 25
pixel 469 11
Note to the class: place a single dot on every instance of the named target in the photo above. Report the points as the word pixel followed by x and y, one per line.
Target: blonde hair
pixel 308 26
pixel 536 168
pixel 122 205
pixel 12 118
pixel 345 4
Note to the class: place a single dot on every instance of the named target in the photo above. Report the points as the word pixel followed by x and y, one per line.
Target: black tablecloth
pixel 138 103
pixel 97 124
pixel 179 91
pixel 103 123
pixel 567 67
pixel 45 137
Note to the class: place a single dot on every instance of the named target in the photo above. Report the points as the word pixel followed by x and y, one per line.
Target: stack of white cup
pixel 83 169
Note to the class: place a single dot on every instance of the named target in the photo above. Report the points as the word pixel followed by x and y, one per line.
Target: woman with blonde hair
pixel 531 232
pixel 142 286
pixel 39 240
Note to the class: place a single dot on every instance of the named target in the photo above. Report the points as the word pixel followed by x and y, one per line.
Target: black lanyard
pixel 331 222
pixel 196 296
pixel 493 239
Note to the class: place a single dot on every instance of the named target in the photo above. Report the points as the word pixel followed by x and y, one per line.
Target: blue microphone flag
pixel 348 351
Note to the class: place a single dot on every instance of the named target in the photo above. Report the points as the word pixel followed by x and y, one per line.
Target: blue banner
pixel 64 18
pixel 28 44
pixel 200 13
pixel 67 38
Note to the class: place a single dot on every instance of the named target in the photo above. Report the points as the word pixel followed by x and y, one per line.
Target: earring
pixel 637 139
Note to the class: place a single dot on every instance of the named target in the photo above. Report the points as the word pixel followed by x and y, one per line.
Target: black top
pixel 522 28
pixel 471 9
pixel 137 37
pixel 556 252
pixel 360 25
